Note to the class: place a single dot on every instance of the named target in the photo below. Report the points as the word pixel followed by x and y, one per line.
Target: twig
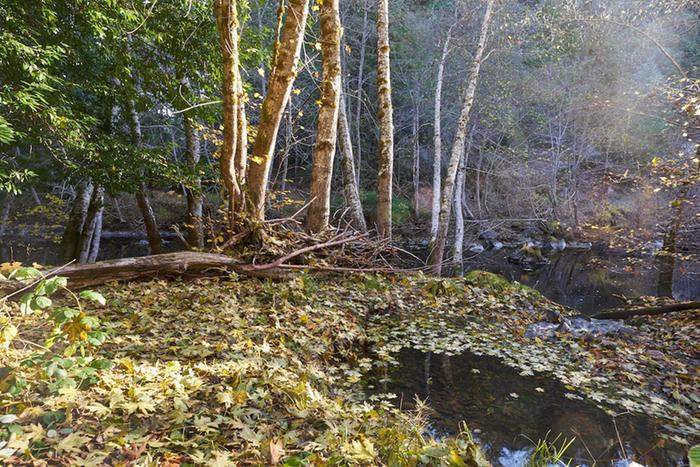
pixel 51 273
pixel 278 262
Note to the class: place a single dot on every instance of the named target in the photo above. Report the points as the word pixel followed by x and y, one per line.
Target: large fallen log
pixel 184 263
pixel 645 311
pixel 180 264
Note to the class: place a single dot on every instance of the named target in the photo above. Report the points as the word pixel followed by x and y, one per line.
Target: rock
pixel 558 245
pixel 579 245
pixel 476 248
pixel 488 236
pixel 579 327
pixel 496 245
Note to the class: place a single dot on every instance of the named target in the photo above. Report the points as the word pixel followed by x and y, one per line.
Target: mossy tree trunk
pixel 227 25
pixel 279 89
pixel 326 131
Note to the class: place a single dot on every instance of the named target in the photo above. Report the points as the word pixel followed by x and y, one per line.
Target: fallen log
pixel 183 263
pixel 646 311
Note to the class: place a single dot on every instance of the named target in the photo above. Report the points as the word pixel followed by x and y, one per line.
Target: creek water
pixel 508 413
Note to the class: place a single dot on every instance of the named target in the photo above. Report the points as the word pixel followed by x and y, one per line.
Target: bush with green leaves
pixel 64 356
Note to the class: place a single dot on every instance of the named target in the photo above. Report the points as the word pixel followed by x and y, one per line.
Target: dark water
pixel 593 280
pixel 47 253
pixel 509 413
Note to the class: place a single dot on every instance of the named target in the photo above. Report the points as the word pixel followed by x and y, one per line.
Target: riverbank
pixel 244 371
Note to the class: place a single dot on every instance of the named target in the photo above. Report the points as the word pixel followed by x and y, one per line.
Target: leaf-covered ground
pixel 239 371
pixel 225 372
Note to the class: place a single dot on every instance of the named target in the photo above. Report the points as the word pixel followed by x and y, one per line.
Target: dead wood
pixel 646 311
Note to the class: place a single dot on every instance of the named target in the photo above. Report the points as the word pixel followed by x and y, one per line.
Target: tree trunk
pixel 149 218
pixel 459 201
pixel 97 233
pixel 195 227
pixel 5 213
pixel 89 227
pixel 227 24
pixel 438 248
pixel 647 311
pixel 352 195
pixel 76 221
pixel 459 215
pixel 279 89
pixel 327 129
pixel 360 85
pixel 416 162
pixel 437 141
pixel 385 158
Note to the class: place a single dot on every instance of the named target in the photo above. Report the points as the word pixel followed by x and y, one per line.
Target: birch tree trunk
pixel 458 255
pixel 76 221
pixel 360 85
pixel 416 162
pixel 149 218
pixel 438 248
pixel 227 25
pixel 385 159
pixel 195 227
pixel 279 89
pixel 437 140
pixel 352 194
pixel 327 129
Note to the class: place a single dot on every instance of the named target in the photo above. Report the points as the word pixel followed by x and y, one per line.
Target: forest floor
pixel 241 371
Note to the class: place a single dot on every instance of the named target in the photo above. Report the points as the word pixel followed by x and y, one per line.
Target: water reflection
pixel 509 412
pixel 593 280
pixel 44 252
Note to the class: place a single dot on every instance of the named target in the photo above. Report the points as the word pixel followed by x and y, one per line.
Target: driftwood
pixel 650 310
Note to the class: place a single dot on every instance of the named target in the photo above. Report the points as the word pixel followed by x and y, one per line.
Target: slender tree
pixel 352 192
pixel 149 217
pixel 385 158
pixel 227 24
pixel 195 227
pixel 438 246
pixel 279 89
pixel 437 139
pixel 326 131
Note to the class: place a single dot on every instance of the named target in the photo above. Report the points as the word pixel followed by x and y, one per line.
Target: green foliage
pixel 400 207
pixel 548 452
pixel 65 357
pixel 694 456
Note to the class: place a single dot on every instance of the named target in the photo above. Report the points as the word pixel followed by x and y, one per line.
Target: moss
pixel 497 283
pixel 400 207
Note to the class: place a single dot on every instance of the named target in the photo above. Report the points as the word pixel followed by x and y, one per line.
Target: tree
pixel 437 139
pixel 227 24
pixel 385 157
pixel 352 194
pixel 279 88
pixel 326 132
pixel 438 247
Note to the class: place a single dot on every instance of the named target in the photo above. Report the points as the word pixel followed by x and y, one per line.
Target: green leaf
pixel 694 456
pixel 42 302
pixel 101 364
pixel 93 296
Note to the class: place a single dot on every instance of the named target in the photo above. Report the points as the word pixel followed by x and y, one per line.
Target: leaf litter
pixel 239 371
